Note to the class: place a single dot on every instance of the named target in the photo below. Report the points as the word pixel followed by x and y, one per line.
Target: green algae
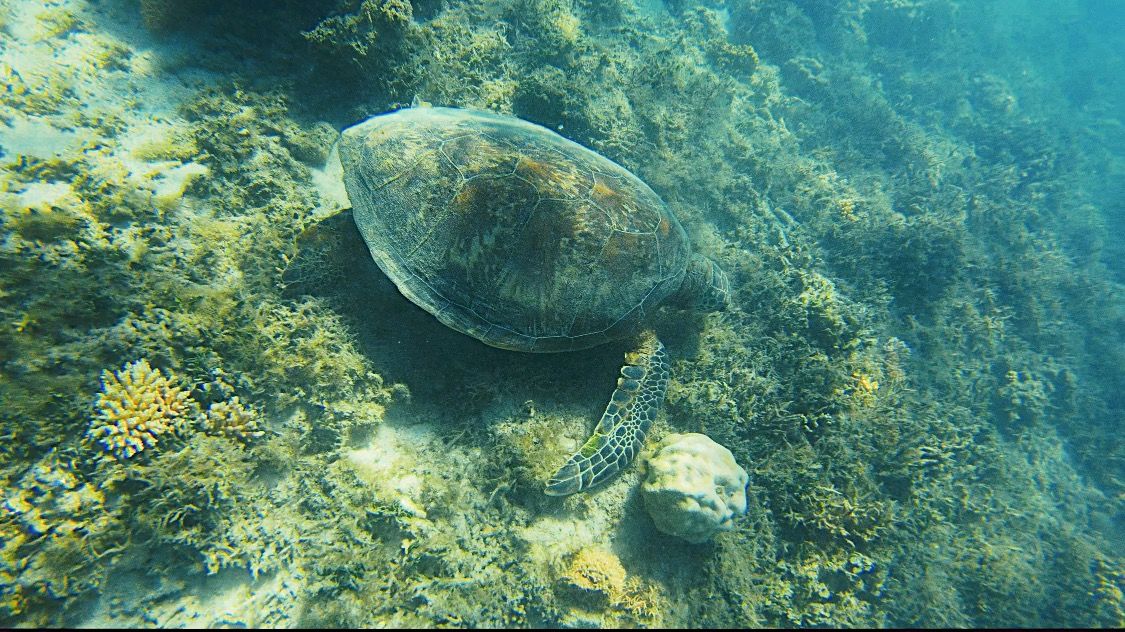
pixel 918 370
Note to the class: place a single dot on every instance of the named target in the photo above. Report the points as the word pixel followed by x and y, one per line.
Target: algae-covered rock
pixel 694 489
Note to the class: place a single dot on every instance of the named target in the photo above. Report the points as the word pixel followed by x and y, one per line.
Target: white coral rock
pixel 693 488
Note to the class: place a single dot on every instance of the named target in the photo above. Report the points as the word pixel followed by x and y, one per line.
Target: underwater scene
pixel 562 313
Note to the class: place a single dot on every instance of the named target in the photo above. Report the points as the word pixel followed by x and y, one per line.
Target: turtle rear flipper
pixel 627 418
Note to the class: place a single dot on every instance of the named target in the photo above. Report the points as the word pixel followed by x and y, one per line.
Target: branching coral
pixel 1023 397
pixel 1109 593
pixel 138 405
pixel 836 588
pixel 232 419
pixel 850 517
pixel 199 502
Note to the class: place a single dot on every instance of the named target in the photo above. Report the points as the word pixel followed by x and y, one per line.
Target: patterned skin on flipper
pixel 619 435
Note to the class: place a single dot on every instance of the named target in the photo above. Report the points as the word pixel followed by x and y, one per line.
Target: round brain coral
pixel 693 488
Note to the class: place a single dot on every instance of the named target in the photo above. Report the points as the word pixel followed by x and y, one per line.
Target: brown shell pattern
pixel 508 232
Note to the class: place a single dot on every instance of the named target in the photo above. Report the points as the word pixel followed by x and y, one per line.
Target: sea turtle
pixel 527 241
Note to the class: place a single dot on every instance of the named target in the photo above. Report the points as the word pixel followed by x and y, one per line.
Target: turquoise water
pixel 217 410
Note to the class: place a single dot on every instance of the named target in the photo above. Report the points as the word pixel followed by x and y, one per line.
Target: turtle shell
pixel 508 232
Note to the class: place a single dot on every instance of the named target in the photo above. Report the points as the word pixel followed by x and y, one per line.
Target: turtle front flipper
pixel 621 431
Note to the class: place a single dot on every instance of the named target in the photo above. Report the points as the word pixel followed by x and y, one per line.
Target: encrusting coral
pixel 603 586
pixel 597 570
pixel 137 405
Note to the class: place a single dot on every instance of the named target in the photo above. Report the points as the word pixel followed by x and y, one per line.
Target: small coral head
pixel 137 405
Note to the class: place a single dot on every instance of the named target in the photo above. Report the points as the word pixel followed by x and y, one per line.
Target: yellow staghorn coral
pixel 137 405
pixel 232 419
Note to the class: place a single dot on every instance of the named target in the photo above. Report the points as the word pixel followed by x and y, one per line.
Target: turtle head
pixel 705 286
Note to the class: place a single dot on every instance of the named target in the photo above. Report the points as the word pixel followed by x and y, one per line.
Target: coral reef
pixel 55 528
pixel 693 489
pixel 137 405
pixel 921 367
pixel 203 505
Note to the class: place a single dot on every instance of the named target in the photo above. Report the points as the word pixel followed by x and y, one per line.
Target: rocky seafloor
pixel 919 204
